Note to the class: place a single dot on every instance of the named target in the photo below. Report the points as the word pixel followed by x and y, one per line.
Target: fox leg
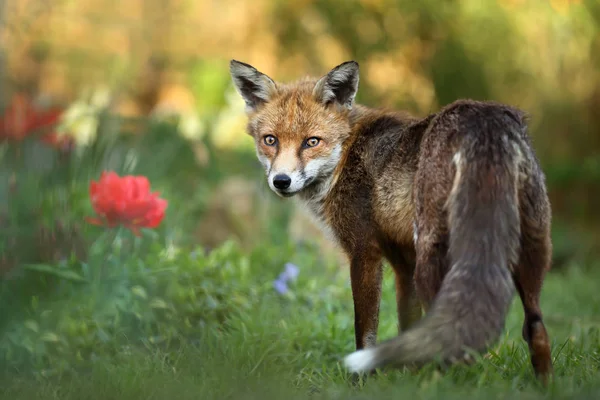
pixel 529 276
pixel 366 277
pixel 431 233
pixel 432 265
pixel 407 303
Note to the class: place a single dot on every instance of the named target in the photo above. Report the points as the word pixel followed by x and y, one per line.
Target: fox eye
pixel 312 142
pixel 270 140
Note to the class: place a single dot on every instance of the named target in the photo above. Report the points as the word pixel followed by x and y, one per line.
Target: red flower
pixel 21 118
pixel 126 201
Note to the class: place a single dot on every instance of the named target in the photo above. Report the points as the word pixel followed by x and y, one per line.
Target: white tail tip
pixel 360 361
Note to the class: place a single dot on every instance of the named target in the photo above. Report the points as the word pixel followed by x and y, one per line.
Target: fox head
pixel 299 128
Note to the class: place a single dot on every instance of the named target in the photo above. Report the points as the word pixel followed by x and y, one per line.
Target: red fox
pixel 456 202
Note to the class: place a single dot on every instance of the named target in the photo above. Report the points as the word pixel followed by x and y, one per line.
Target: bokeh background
pixel 142 86
pixel 158 57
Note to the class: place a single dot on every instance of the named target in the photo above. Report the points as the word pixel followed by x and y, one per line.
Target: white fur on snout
pixel 325 165
pixel 323 168
pixel 318 168
pixel 297 183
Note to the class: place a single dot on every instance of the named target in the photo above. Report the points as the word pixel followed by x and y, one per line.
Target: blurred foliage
pixel 157 296
pixel 541 56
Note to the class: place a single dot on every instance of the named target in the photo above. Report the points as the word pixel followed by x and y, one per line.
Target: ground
pixel 291 346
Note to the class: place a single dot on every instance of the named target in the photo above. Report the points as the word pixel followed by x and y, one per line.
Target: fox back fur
pixel 456 202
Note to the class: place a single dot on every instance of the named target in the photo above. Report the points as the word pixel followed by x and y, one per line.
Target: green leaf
pixel 32 325
pixel 50 337
pixel 60 273
pixel 158 303
pixel 139 291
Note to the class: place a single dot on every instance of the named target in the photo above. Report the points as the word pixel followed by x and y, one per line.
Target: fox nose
pixel 282 181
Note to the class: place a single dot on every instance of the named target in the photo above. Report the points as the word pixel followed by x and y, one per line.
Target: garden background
pixel 236 294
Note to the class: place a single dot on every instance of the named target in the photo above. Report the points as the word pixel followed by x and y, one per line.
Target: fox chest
pixel 319 216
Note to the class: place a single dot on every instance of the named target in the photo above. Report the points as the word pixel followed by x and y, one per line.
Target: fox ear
pixel 255 87
pixel 339 85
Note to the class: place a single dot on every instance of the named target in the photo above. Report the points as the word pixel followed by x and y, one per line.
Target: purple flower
pixel 280 286
pixel 289 273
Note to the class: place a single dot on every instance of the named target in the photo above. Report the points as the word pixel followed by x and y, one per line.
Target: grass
pixel 290 347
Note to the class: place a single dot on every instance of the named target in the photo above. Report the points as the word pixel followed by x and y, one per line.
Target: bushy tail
pixel 470 309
